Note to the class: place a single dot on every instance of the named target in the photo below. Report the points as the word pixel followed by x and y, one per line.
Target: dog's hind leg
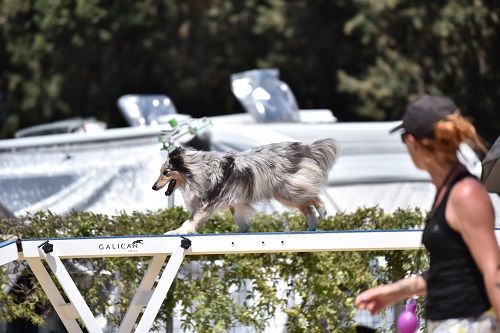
pixel 320 206
pixel 308 211
pixel 305 207
pixel 241 215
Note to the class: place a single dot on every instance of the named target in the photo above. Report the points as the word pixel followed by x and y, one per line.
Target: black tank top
pixel 455 285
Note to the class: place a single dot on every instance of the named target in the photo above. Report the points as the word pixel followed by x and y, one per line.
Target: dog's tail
pixel 325 152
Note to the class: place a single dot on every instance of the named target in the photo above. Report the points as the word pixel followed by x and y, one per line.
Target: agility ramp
pixel 175 248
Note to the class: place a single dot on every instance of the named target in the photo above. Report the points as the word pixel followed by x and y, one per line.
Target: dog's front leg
pixel 191 224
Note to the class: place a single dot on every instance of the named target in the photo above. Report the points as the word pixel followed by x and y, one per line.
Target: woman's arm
pixel 376 299
pixel 470 212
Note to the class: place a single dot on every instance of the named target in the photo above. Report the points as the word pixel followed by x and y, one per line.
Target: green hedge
pixel 327 282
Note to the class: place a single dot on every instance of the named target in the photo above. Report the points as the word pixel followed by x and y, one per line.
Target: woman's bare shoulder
pixel 469 201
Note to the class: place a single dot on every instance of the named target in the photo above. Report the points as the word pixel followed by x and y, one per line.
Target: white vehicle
pixel 112 170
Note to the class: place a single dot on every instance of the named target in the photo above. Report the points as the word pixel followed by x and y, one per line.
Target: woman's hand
pixel 376 299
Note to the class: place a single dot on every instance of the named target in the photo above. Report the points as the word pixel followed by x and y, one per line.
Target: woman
pixel 463 281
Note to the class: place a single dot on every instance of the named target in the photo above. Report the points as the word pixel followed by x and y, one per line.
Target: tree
pixel 442 47
pixel 364 59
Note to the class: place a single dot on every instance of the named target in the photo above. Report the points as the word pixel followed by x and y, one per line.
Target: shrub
pixel 324 284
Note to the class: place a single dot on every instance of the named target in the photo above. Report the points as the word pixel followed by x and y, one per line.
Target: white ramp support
pixel 66 311
pixel 53 295
pixel 162 287
pixel 153 299
pixel 160 247
pixel 78 308
pixel 71 290
pixel 143 294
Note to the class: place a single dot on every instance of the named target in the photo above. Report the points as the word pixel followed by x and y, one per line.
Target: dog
pixel 293 173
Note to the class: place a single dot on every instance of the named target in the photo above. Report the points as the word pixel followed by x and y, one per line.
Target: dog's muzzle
pixel 170 187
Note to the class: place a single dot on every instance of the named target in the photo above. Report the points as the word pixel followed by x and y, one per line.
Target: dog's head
pixel 172 172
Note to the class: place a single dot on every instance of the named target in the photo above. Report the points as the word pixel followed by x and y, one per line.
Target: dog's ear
pixel 176 158
pixel 176 153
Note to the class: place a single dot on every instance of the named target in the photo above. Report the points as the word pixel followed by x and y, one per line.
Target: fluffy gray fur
pixel 291 172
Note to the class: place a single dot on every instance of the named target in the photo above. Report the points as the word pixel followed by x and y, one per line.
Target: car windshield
pixel 265 96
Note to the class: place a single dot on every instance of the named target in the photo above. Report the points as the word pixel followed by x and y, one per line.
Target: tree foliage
pixel 363 59
pixel 322 284
pixel 440 47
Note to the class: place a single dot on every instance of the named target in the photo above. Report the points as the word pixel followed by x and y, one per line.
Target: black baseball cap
pixel 422 114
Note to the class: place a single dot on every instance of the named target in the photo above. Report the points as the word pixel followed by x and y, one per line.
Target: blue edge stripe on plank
pixel 3 244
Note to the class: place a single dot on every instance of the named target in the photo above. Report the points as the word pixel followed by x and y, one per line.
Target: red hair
pixel 449 133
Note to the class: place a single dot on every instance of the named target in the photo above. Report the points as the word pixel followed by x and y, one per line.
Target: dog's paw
pixel 322 212
pixel 185 229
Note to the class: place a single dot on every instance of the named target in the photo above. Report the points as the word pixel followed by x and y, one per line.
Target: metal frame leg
pixel 54 295
pixel 162 288
pixel 72 291
pixel 78 308
pixel 143 292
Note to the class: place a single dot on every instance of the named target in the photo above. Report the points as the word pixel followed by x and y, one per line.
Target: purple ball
pixel 408 320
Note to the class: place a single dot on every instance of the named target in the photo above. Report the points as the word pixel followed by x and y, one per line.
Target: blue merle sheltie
pixel 293 173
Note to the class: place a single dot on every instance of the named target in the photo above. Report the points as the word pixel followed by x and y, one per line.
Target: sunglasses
pixel 403 136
